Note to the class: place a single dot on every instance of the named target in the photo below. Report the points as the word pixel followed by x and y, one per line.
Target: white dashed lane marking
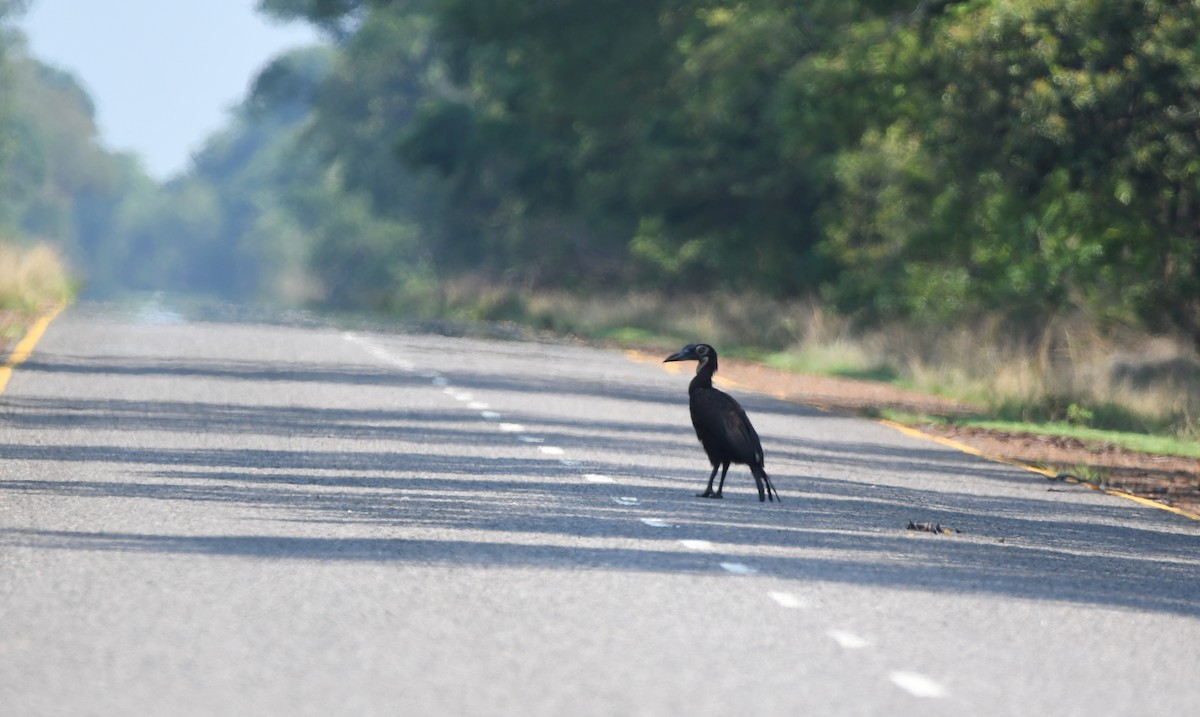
pixel 916 684
pixel 484 409
pixel 379 352
pixel 848 640
pixel 788 600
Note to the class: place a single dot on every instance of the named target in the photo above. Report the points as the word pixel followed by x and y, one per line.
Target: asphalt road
pixel 231 519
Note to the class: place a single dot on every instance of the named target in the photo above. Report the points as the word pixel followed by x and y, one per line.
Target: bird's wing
pixel 737 434
pixel 742 434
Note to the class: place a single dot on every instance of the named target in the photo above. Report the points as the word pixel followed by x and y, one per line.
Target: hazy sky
pixel 163 73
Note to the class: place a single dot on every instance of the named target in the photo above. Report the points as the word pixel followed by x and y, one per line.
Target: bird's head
pixel 694 352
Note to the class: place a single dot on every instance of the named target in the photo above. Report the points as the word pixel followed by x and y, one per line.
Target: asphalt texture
pixel 231 519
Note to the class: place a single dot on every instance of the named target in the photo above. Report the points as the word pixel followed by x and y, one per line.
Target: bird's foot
pixel 709 494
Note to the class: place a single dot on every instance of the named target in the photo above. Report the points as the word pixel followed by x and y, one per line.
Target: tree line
pixel 927 160
pixel 923 160
pixel 224 228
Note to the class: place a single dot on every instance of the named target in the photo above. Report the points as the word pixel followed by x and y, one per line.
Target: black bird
pixel 721 424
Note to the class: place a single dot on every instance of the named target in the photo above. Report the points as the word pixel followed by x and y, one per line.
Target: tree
pixel 55 167
pixel 1043 159
pixel 930 160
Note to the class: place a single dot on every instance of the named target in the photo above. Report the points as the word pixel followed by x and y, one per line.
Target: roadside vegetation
pixel 33 279
pixel 1061 377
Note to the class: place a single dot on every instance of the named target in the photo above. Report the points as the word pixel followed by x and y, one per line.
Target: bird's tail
pixel 765 489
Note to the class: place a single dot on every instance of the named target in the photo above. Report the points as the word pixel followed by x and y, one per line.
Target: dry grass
pixel 32 279
pixel 1063 370
pixel 657 318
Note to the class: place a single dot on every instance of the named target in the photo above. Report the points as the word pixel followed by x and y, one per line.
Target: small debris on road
pixel 932 528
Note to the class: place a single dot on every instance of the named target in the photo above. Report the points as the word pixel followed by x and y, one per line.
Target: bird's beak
pixel 678 356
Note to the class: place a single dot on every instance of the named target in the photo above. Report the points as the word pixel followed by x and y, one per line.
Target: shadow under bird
pixel 721 425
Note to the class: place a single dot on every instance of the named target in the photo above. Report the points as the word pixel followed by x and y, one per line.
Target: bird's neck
pixel 704 375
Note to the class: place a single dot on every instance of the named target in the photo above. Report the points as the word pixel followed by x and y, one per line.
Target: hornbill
pixel 721 424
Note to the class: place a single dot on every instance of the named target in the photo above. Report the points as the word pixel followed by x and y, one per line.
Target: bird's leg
pixel 708 492
pixel 758 482
pixel 721 487
pixel 771 492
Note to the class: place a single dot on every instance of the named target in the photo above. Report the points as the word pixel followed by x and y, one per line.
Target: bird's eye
pixel 702 350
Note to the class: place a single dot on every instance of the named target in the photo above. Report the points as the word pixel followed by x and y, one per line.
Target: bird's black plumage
pixel 721 425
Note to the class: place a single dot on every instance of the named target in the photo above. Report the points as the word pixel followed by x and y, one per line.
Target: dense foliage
pixel 926 159
pixel 56 183
pixel 229 227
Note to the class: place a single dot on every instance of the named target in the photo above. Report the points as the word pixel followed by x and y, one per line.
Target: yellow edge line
pixel 909 431
pixel 913 432
pixel 24 347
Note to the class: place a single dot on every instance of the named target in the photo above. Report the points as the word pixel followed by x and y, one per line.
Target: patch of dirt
pixel 1170 480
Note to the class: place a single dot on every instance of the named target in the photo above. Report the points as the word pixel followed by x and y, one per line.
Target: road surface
pixel 231 519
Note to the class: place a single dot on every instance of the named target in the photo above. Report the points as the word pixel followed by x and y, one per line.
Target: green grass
pixel 634 336
pixel 1144 443
pixel 838 359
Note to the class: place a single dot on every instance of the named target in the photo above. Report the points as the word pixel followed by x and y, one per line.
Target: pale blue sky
pixel 163 73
